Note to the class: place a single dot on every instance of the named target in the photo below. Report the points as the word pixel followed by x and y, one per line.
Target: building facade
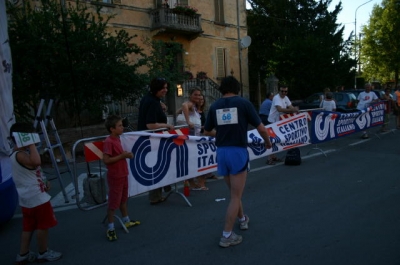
pixel 210 37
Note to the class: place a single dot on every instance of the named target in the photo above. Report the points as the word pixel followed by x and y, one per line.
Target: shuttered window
pixel 221 71
pixel 219 11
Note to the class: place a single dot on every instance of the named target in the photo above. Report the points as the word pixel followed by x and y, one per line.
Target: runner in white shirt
pixel 365 98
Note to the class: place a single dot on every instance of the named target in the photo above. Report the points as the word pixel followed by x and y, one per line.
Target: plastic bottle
pixel 186 189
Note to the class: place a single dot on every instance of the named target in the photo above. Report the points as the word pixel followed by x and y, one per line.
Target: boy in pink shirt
pixel 117 175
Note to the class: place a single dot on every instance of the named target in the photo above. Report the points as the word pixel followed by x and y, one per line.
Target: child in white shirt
pixel 328 103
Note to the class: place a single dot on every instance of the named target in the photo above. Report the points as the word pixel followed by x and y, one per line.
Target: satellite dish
pixel 245 42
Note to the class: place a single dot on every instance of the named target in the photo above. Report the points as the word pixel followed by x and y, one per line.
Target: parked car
pixel 345 102
pixel 382 92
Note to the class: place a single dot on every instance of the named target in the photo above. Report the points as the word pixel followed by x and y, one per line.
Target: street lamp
pixel 355 41
pixel 239 46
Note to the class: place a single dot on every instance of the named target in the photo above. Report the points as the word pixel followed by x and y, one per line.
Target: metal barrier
pixel 76 177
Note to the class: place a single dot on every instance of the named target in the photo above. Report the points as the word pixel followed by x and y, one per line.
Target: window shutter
pixel 219 10
pixel 221 62
pixel 184 2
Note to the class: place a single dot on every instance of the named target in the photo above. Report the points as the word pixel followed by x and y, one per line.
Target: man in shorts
pixel 230 116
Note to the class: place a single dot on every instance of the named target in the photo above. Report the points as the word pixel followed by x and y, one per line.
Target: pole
pixel 355 42
pixel 239 47
pixel 259 90
pixel 359 52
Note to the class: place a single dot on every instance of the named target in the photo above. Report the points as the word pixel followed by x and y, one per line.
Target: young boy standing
pixel 117 175
pixel 37 212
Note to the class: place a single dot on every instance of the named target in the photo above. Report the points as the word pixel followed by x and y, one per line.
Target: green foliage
pixel 185 10
pixel 70 56
pixel 301 43
pixel 380 47
pixel 166 61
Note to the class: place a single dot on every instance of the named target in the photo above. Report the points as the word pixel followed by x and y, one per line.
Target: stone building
pixel 210 37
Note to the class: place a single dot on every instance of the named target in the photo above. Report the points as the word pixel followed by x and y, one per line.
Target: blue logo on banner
pixel 148 176
pixel 256 146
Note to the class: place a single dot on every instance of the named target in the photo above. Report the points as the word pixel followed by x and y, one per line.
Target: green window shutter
pixel 219 11
pixel 220 62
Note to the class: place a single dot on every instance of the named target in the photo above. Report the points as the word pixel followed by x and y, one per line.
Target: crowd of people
pixel 230 138
pixel 274 106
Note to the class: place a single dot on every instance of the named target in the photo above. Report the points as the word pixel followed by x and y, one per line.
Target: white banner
pixel 8 195
pixel 163 159
pixel 6 100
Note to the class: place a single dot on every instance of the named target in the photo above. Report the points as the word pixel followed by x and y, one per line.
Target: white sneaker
pixel 49 255
pixel 232 240
pixel 245 224
pixel 28 258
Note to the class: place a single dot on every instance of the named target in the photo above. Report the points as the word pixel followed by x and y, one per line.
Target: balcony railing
pixel 165 18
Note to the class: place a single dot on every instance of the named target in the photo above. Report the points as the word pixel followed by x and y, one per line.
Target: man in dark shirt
pixel 230 116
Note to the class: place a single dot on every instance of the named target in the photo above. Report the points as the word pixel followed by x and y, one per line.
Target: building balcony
pixel 166 21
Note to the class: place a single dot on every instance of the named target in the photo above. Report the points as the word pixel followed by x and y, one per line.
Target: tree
pixel 166 60
pixel 67 53
pixel 301 43
pixel 380 47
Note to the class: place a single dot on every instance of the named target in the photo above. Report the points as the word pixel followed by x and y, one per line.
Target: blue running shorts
pixel 232 160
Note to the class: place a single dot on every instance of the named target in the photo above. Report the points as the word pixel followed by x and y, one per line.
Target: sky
pixel 347 15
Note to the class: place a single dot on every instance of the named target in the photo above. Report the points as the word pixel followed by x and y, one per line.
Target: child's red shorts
pixel 117 192
pixel 40 217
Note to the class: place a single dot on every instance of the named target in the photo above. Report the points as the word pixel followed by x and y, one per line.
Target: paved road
pixel 340 209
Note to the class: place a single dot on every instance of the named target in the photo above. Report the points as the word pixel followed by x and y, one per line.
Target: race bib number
pixel 227 116
pixel 25 139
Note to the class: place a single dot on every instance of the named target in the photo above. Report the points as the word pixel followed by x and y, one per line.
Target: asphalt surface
pixel 342 208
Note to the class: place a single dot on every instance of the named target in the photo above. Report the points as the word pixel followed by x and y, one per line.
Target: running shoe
pixel 28 258
pixel 49 255
pixel 245 224
pixel 111 235
pixel 232 240
pixel 131 223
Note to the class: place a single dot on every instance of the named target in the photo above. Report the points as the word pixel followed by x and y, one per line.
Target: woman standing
pixel 189 115
pixel 152 117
